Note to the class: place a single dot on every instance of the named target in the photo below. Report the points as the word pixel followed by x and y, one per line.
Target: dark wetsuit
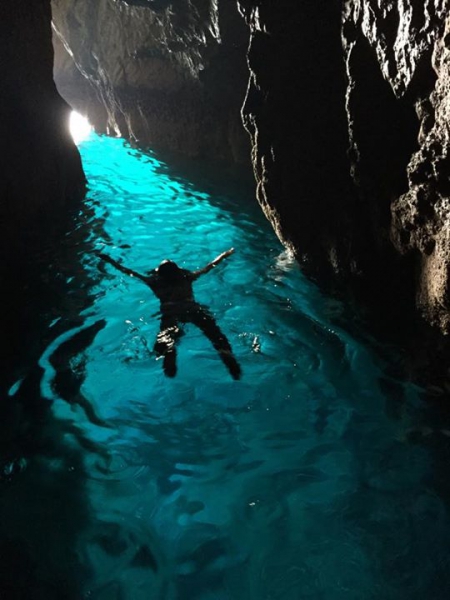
pixel 178 306
pixel 173 287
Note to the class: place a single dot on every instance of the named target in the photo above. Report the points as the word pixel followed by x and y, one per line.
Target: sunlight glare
pixel 80 128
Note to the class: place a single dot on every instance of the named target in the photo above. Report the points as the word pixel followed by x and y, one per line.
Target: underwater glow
pixel 297 482
pixel 80 128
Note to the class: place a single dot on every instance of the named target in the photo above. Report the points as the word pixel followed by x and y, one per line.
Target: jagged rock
pixel 421 216
pixel 400 32
pixel 295 114
pixel 168 74
pixel 383 122
pixel 397 97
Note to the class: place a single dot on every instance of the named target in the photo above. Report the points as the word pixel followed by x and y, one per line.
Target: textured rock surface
pixel 169 74
pixel 356 89
pixel 398 122
pixel 73 85
pixel 41 169
pixel 421 217
pixel 295 114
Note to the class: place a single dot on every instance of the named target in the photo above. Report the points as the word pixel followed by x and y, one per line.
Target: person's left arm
pixel 212 264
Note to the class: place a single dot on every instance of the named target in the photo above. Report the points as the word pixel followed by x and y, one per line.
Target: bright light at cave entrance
pixel 80 128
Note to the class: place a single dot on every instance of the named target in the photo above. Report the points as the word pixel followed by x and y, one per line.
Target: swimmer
pixel 172 285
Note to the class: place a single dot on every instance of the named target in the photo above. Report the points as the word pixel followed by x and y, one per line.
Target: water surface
pixel 298 482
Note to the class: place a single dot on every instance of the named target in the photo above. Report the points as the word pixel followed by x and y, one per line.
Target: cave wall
pixel 347 109
pixel 73 85
pixel 41 179
pixel 41 168
pixel 294 111
pixel 397 87
pixel 167 74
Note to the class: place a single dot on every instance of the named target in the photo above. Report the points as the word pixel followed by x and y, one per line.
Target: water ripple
pixel 282 485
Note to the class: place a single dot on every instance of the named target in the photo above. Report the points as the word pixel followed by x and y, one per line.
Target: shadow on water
pixel 43 504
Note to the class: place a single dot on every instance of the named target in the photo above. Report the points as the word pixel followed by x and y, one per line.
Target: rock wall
pixel 73 86
pixel 41 168
pixel 347 108
pixel 295 113
pixel 395 58
pixel 167 74
pixel 41 179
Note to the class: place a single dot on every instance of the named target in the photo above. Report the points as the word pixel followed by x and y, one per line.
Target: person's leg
pixel 206 322
pixel 165 344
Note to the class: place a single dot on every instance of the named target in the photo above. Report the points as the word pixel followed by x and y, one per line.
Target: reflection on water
pixel 298 481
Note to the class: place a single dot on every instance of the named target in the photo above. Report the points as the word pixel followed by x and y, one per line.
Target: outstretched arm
pixel 213 263
pixel 121 268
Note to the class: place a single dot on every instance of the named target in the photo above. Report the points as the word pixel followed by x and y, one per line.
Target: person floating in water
pixel 172 285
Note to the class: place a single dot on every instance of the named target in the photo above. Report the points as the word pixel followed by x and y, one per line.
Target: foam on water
pixel 290 484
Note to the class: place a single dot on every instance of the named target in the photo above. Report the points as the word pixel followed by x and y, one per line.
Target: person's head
pixel 169 270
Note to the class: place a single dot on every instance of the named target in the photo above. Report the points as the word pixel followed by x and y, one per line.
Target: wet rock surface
pixel 350 142
pixel 170 75
pixel 295 113
pixel 421 215
pixel 395 58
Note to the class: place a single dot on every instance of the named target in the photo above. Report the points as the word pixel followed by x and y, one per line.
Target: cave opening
pixel 79 127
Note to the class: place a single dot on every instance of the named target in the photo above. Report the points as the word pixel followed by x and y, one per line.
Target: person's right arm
pixel 123 269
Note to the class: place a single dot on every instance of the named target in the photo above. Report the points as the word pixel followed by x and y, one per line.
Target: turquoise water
pixel 300 481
